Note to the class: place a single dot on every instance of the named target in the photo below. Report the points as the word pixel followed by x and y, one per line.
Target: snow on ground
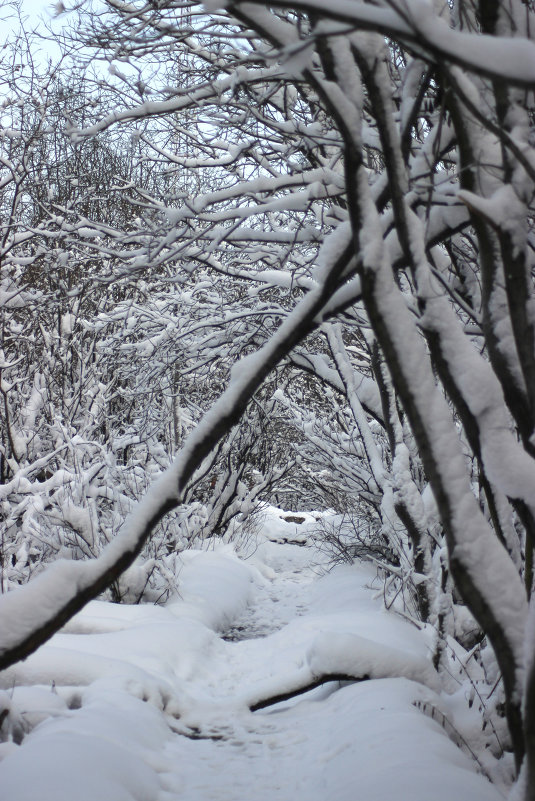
pixel 145 703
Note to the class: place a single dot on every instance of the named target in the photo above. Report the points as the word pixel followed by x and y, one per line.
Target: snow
pixel 151 703
pixel 505 57
pixel 473 545
pixel 503 209
pixel 93 761
pixel 205 92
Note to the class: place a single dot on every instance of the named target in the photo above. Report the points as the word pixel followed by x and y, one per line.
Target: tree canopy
pixel 261 251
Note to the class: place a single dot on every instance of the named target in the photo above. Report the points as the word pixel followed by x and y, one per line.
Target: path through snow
pixel 152 704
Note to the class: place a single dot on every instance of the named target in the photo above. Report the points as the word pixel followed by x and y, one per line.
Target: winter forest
pixel 267 400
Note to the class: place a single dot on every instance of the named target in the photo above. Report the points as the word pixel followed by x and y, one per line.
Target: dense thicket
pixel 290 249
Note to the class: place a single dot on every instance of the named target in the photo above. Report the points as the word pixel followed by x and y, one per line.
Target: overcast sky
pixel 33 9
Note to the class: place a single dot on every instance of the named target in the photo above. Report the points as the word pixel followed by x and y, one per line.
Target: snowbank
pixel 143 703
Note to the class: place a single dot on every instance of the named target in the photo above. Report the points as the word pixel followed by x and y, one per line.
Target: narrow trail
pixel 254 648
pixel 233 756
pixel 151 704
pixel 286 596
pixel 357 742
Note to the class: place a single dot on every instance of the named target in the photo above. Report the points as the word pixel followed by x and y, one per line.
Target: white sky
pixel 34 9
pixel 33 13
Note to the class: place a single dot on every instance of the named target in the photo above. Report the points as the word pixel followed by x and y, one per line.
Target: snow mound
pixel 337 653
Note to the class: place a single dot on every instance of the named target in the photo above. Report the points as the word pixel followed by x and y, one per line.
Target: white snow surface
pixel 150 703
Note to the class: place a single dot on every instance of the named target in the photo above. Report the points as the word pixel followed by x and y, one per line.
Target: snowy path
pixel 152 704
pixel 278 601
pixel 247 752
